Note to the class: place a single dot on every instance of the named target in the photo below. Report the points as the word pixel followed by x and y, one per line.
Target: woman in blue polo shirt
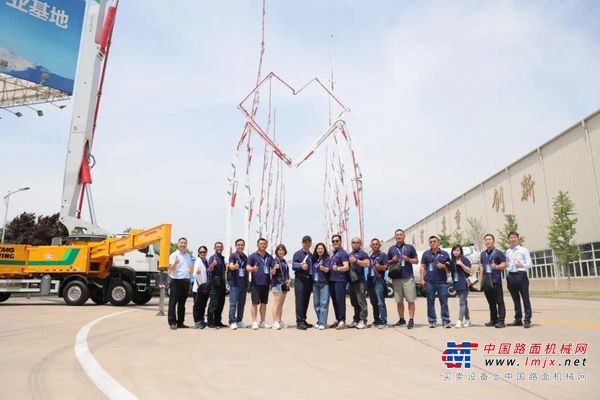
pixel 460 266
pixel 320 273
pixel 280 284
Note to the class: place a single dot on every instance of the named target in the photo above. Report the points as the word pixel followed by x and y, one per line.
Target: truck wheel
pixel 97 295
pixel 389 290
pixel 75 293
pixel 120 293
pixel 4 296
pixel 142 298
pixel 452 291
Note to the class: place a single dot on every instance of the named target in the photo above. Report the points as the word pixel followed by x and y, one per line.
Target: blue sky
pixel 442 96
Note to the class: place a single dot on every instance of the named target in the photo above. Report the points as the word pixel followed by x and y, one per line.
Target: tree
pixel 510 225
pixel 27 229
pixel 444 240
pixel 458 238
pixel 475 232
pixel 561 232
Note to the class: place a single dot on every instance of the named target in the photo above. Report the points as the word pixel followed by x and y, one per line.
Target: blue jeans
pixel 237 301
pixel 441 290
pixel 321 300
pixel 377 297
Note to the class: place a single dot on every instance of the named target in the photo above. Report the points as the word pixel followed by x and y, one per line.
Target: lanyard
pixel 489 257
pixel 240 260
pixel 436 257
pixel 400 250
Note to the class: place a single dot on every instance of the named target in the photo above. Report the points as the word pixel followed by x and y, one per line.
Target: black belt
pixel 517 272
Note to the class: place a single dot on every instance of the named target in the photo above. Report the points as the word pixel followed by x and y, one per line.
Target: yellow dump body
pixel 90 258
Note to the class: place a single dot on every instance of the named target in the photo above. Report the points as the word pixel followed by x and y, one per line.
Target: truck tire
pixel 97 295
pixel 75 293
pixel 120 293
pixel 142 298
pixel 4 296
pixel 452 291
pixel 389 290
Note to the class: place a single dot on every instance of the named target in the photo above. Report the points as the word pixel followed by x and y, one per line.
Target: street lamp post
pixel 7 199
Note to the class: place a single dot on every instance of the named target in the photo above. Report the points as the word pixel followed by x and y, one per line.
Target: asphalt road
pixel 134 353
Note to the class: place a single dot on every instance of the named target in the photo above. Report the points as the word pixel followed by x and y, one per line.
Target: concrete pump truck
pixel 90 262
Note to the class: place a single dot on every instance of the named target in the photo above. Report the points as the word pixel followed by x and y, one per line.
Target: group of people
pixel 329 276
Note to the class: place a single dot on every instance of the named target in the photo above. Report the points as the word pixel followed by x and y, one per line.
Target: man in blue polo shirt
pixel 376 284
pixel 434 276
pixel 238 285
pixel 493 261
pixel 359 260
pixel 259 264
pixel 338 277
pixel 403 256
pixel 302 266
pixel 216 270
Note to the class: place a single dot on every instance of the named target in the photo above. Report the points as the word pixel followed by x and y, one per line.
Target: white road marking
pixel 98 375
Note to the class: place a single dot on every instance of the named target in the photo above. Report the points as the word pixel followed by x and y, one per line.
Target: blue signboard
pixel 39 40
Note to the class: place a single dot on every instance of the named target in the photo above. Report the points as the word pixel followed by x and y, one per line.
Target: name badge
pixel 316 276
pixel 430 267
pixel 456 277
pixel 488 269
pixel 242 272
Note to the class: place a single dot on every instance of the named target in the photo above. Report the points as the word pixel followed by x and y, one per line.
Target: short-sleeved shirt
pixel 432 273
pixel 338 258
pixel 219 268
pixel 497 257
pixel 282 274
pixel 300 257
pixel 377 258
pixel 317 274
pixel 406 270
pixel 359 255
pixel 182 270
pixel 264 263
pixel 459 276
pixel 238 278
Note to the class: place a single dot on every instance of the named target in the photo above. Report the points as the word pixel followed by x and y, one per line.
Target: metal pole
pixel 162 279
pixel 7 198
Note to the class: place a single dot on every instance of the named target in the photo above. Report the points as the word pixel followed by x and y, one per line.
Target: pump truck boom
pixel 84 265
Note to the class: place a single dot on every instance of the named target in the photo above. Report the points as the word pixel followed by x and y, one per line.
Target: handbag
pixel 486 282
pixel 395 269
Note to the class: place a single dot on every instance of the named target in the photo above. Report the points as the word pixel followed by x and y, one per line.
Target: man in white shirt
pixel 180 263
pixel 519 262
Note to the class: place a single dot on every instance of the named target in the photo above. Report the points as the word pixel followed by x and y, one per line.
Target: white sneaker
pixel 233 326
pixel 255 325
pixel 316 326
pixel 467 323
pixel 241 325
pixel 352 324
pixel 321 327
pixel 264 325
pixel 283 324
pixel 458 324
pixel 360 325
pixel 276 326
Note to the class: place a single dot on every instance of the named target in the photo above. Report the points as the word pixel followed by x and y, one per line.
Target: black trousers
pixel 302 292
pixel 217 301
pixel 200 302
pixel 518 286
pixel 358 299
pixel 178 294
pixel 495 299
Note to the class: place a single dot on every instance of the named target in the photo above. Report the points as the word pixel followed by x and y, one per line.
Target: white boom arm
pixel 84 106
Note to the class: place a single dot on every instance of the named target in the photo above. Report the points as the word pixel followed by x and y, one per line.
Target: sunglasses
pixel 335 241
pixel 355 242
pixel 202 252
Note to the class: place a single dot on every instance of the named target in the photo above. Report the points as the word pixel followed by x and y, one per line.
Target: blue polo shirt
pixel 497 257
pixel 238 278
pixel 432 273
pixel 360 271
pixel 299 257
pixel 459 276
pixel 338 258
pixel 380 258
pixel 282 274
pixel 263 276
pixel 219 268
pixel 406 271
pixel 318 275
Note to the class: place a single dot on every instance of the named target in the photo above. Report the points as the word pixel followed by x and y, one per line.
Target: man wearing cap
pixel 302 265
